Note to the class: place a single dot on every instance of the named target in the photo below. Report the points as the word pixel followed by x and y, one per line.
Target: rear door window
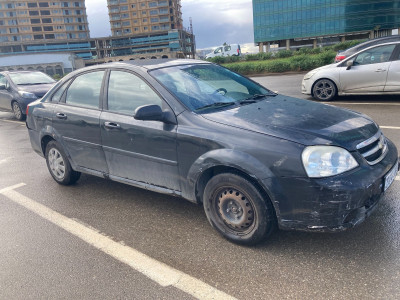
pixel 85 90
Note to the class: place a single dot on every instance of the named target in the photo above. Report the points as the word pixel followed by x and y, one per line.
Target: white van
pixel 226 50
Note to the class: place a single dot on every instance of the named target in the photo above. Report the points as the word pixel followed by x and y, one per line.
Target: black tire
pixel 59 166
pixel 237 209
pixel 17 111
pixel 324 90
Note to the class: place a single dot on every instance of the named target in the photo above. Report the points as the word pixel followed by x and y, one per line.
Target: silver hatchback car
pixel 373 71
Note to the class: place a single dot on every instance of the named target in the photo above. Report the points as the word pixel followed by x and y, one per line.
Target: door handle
pixel 61 115
pixel 380 70
pixel 112 125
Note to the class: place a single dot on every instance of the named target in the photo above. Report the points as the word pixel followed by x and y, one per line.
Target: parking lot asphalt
pixel 100 239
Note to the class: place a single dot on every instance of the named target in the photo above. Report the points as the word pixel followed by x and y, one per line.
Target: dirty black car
pixel 256 160
pixel 19 88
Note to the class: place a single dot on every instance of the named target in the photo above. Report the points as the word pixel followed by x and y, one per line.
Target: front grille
pixel 374 149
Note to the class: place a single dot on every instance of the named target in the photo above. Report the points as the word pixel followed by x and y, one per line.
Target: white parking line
pixel 389 127
pixel 3 161
pixel 377 103
pixel 397 178
pixel 16 122
pixel 157 271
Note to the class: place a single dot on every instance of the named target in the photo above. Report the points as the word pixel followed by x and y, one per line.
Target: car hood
pixel 39 89
pixel 301 121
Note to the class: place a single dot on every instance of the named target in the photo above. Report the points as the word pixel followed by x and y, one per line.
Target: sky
pixel 214 21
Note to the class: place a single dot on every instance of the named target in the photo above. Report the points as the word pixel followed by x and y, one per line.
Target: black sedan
pixel 255 159
pixel 19 88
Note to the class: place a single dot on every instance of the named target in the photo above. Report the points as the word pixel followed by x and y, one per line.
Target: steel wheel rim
pixel 324 89
pixel 17 110
pixel 236 210
pixel 56 163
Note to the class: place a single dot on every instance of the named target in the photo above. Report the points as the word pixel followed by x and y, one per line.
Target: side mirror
pixel 149 113
pixel 2 87
pixel 349 64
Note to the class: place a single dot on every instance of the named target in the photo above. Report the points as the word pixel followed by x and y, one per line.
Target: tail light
pixel 340 57
pixel 238 51
pixel 27 110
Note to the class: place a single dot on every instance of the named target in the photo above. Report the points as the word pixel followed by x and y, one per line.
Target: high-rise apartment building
pixel 129 17
pixel 33 20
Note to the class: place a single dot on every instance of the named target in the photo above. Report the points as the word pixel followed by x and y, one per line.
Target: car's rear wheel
pixel 59 166
pixel 18 114
pixel 324 90
pixel 237 209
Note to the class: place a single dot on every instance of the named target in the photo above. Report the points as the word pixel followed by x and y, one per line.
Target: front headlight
pixel 325 161
pixel 310 74
pixel 27 95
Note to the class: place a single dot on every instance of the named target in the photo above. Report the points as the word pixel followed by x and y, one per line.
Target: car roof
pixel 366 44
pixel 20 72
pixel 151 64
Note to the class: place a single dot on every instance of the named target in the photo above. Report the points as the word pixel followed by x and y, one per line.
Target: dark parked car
pixel 19 88
pixel 255 159
pixel 350 51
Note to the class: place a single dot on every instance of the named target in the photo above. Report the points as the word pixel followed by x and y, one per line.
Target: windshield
pixel 208 86
pixel 30 78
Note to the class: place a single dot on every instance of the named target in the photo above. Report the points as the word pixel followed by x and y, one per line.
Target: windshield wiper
pixel 215 105
pixel 35 83
pixel 255 97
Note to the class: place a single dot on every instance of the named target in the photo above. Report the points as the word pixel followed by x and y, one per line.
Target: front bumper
pixel 335 203
pixel 306 86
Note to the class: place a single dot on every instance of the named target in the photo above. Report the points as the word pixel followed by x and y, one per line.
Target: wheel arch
pixel 44 141
pixel 229 161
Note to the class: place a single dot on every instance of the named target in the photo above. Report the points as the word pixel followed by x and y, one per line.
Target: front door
pixel 369 71
pixel 5 95
pixel 143 152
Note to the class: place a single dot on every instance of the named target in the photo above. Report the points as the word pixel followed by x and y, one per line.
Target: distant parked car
pixel 19 88
pixel 373 71
pixel 350 51
pixel 226 50
pixel 193 129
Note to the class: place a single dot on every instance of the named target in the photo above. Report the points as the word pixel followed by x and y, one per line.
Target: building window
pixel 49 36
pixel 33 13
pixel 35 21
pixel 45 12
pixel 48 28
pixel 38 37
pixel 43 4
pixel 32 4
pixel 35 29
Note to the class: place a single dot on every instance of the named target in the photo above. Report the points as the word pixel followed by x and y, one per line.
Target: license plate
pixel 390 177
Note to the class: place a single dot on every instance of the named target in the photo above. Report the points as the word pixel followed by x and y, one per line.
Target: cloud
pixel 214 21
pixel 99 22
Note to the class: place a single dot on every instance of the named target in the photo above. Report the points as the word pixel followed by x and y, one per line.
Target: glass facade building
pixel 276 20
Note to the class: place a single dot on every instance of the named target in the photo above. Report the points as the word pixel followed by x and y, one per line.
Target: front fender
pixel 228 158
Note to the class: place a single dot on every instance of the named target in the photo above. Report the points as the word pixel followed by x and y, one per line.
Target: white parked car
pixel 226 50
pixel 372 71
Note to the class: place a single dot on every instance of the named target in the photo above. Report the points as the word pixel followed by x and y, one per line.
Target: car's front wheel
pixel 59 166
pixel 237 209
pixel 18 114
pixel 324 90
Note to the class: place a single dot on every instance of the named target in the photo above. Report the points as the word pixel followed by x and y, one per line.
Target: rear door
pixel 142 152
pixel 369 72
pixel 76 121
